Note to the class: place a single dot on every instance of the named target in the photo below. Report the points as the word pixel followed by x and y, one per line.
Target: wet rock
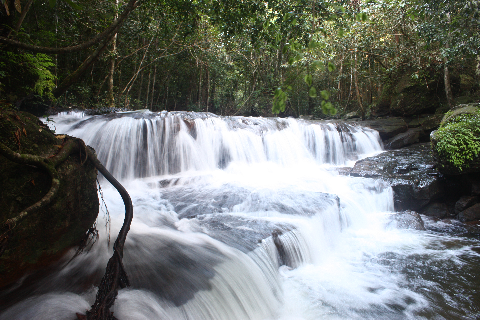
pixel 352 115
pixel 465 202
pixel 411 136
pixel 386 127
pixel 406 220
pixel 41 238
pixel 193 202
pixel 436 209
pixel 470 214
pixel 411 173
pixel 427 122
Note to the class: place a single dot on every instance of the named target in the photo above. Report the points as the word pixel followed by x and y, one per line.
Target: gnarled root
pixel 115 276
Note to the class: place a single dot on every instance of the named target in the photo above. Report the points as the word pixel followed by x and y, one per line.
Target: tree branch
pixel 131 5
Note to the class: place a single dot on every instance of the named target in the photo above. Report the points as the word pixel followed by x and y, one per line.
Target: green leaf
pixel 308 79
pixel 361 16
pixel 331 67
pixel 74 5
pixel 341 32
pixel 325 94
pixel 318 65
pixel 313 44
pixel 312 92
pixel 52 3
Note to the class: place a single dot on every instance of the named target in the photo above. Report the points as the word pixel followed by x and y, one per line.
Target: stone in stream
pixel 406 220
pixel 409 171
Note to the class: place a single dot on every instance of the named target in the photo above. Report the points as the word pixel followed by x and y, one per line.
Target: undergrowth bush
pixel 458 139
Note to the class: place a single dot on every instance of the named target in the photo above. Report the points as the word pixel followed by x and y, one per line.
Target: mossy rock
pixel 44 236
pixel 456 144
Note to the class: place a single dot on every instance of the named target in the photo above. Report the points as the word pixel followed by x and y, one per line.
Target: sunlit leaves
pixel 279 101
pixel 308 79
pixel 361 17
pixel 331 67
pixel 325 94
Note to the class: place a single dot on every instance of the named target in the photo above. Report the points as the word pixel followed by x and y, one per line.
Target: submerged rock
pixel 406 220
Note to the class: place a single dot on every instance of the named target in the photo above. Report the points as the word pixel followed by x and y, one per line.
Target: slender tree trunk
pixel 74 76
pixel 448 87
pixel 111 97
pixel 340 81
pixel 446 73
pixel 153 85
pixel 357 90
pixel 21 18
pixel 148 88
pixel 199 97
pixel 208 86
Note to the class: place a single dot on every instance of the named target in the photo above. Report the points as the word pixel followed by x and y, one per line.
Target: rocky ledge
pixel 418 186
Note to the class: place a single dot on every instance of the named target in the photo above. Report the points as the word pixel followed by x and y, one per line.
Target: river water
pixel 247 218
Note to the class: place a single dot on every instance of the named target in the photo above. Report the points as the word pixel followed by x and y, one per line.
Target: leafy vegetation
pixel 294 57
pixel 458 139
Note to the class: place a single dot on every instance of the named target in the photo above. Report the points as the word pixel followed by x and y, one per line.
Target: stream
pixel 241 218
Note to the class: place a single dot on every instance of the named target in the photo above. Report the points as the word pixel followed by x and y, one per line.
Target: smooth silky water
pixel 247 218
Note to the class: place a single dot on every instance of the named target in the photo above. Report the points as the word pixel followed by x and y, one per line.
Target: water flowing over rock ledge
pixel 418 186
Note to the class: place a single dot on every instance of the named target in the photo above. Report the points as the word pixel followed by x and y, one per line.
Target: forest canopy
pixel 297 57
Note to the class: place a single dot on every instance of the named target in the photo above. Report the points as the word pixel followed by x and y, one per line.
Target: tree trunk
pixel 448 87
pixel 357 90
pixel 21 18
pixel 148 88
pixel 74 76
pixel 153 85
pixel 111 97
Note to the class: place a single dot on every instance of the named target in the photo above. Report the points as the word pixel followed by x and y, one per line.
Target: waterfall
pixel 148 144
pixel 248 218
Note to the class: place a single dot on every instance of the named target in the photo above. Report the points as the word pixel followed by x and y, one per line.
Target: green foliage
pixel 25 73
pixel 458 140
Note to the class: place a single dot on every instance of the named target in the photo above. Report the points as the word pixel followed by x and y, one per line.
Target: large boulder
pixel 411 136
pixel 42 237
pixel 387 127
pixel 411 173
pixel 407 94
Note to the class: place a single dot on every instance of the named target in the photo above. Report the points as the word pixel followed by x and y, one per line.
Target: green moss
pixel 458 138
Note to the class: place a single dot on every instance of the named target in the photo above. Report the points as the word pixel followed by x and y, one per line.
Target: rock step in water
pixel 417 185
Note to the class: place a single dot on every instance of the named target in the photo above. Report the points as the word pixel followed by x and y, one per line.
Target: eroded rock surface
pixel 411 173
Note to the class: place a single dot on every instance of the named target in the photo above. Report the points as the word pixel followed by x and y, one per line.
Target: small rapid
pixel 248 218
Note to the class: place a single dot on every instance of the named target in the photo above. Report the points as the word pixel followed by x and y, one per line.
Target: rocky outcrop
pixel 408 95
pixel 387 127
pixel 43 236
pixel 411 173
pixel 418 186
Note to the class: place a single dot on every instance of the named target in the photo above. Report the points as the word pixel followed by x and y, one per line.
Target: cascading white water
pixel 247 218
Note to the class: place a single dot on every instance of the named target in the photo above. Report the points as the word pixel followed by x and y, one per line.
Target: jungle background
pixel 294 57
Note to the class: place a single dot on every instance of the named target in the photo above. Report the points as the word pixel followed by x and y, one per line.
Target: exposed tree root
pixel 115 276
